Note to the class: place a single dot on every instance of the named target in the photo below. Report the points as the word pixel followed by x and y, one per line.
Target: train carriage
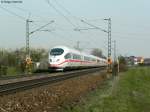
pixel 62 57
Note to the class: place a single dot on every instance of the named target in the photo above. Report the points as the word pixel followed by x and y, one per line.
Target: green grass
pixel 10 71
pixel 131 93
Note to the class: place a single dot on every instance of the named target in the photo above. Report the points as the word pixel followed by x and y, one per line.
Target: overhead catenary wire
pixel 12 13
pixel 66 10
pixel 114 33
pixel 68 20
pixel 20 17
pixel 41 27
pixel 42 19
pixel 24 10
pixel 60 13
pixel 90 37
pixel 94 26
pixel 62 7
pixel 82 29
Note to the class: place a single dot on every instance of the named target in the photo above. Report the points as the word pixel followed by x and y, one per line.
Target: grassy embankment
pixel 130 92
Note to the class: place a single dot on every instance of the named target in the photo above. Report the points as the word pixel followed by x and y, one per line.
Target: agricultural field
pixel 128 92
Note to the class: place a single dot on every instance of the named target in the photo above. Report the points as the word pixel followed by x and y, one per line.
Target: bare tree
pixel 97 52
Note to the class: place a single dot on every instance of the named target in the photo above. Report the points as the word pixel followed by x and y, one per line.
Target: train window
pixel 98 61
pixel 87 58
pixel 79 57
pixel 68 56
pixel 75 56
pixel 93 59
pixel 56 51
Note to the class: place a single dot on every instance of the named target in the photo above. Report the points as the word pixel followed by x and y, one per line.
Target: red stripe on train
pixel 57 65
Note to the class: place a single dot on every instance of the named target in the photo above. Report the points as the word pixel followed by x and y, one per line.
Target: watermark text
pixel 11 1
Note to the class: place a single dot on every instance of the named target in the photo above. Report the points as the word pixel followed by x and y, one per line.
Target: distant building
pixel 130 60
pixel 133 60
pixel 147 61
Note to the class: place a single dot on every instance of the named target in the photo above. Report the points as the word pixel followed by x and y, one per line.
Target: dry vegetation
pixel 51 98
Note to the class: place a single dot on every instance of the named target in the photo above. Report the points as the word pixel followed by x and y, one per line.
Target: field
pixel 53 97
pixel 129 92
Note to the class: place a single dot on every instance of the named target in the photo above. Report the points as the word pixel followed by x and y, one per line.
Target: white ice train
pixel 62 58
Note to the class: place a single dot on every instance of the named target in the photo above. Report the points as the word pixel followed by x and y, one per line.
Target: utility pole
pixel 28 33
pixel 27 38
pixel 109 42
pixel 108 31
pixel 114 51
pixel 109 37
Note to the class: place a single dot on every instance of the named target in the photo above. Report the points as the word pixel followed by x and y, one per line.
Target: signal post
pixel 28 65
pixel 109 65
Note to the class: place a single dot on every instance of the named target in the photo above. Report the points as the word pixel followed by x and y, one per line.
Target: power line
pixel 59 36
pixel 94 20
pixel 12 13
pixel 66 10
pixel 94 27
pixel 62 7
pixel 41 27
pixel 27 11
pixel 67 19
pixel 28 33
pixel 42 19
pixel 90 37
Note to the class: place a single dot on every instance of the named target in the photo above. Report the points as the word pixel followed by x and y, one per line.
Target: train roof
pixel 68 49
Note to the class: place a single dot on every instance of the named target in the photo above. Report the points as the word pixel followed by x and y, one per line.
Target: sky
pixel 129 18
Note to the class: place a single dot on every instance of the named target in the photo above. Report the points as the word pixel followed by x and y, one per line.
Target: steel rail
pixel 11 88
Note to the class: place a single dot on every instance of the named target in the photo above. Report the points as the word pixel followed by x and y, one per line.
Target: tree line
pixel 16 58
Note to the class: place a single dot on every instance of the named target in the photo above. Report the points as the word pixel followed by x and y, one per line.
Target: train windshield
pixel 56 51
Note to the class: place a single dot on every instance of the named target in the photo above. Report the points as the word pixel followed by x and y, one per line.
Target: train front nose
pixel 54 63
pixel 55 57
pixel 54 60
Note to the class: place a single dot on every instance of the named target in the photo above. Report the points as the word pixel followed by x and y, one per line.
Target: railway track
pixel 24 75
pixel 11 88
